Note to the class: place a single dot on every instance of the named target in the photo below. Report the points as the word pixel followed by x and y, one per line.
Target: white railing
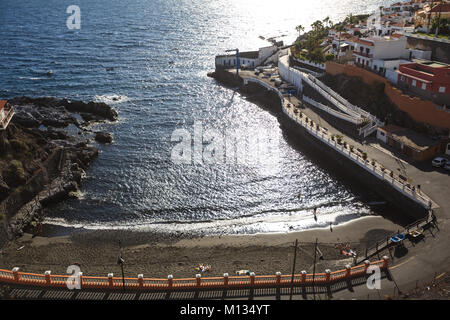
pixel 310 63
pixel 4 123
pixel 331 98
pixel 340 99
pixel 370 130
pixel 315 74
pixel 296 77
pixel 373 169
pixel 337 114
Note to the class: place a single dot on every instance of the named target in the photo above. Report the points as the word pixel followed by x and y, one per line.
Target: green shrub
pixel 18 146
pixel 16 171
pixel 329 57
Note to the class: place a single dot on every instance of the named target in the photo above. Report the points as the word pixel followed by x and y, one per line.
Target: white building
pixel 419 54
pixel 249 59
pixel 369 51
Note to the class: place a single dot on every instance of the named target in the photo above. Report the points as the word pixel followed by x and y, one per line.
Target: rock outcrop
pixel 103 137
pixel 40 166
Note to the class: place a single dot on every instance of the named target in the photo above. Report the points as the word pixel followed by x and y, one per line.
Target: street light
pixel 121 261
pixel 237 59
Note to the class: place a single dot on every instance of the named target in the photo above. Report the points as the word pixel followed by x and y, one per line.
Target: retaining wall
pixel 420 110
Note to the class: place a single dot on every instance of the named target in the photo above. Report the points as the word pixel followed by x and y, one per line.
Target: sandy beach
pixel 158 255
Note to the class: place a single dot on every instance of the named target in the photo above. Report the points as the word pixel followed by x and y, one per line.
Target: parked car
pixel 447 165
pixel 439 162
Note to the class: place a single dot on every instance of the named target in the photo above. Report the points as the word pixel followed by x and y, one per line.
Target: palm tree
pixel 349 18
pixel 317 26
pixel 299 29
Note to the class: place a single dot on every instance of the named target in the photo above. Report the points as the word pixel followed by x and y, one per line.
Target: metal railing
pixel 140 283
pixel 337 114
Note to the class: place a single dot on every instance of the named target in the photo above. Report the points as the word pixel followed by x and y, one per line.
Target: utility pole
pixel 439 19
pixel 121 261
pixel 293 268
pixel 429 18
pixel 314 270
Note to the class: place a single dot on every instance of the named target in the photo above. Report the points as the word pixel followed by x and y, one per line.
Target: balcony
pixel 9 113
pixel 363 54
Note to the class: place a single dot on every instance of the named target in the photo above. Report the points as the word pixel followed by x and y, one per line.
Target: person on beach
pixel 331 226
pixel 314 212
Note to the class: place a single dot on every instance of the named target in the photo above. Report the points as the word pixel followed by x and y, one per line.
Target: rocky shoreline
pixel 42 162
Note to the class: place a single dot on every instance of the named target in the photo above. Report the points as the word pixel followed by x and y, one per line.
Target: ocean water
pixel 160 52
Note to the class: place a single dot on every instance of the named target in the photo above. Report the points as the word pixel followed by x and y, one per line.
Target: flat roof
pixel 433 64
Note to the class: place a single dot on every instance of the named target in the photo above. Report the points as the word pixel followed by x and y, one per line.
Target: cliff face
pixel 40 163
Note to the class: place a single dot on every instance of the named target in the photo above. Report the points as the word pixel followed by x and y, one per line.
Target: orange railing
pixel 140 283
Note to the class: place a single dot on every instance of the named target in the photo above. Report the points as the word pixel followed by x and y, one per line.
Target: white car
pixel 439 162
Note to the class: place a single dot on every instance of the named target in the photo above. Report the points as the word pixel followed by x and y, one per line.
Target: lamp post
pixel 121 261
pixel 237 59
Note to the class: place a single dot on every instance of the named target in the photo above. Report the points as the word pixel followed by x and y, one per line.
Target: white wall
pixel 391 75
pixel 420 54
pixel 289 74
pixel 390 49
pixel 265 53
pixel 230 61
pixel 381 136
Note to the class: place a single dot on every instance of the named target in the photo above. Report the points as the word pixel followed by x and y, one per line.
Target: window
pixel 414 83
pixel 402 78
pixel 424 86
pixel 442 89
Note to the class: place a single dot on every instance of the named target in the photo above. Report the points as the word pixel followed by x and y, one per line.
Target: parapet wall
pixel 15 277
pixel 420 110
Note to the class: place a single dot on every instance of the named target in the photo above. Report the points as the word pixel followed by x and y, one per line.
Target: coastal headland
pixel 42 160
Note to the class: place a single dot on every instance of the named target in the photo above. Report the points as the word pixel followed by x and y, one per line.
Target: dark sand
pixel 157 255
